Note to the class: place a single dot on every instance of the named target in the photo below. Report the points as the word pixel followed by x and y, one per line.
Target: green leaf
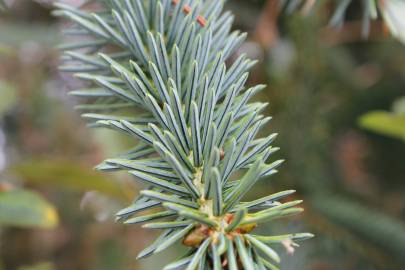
pixel 191 214
pixel 8 97
pixel 399 106
pixel 91 92
pixel 384 123
pixel 271 214
pixel 269 169
pixel 186 179
pixel 237 68
pixel 39 266
pixel 199 218
pixel 281 238
pixel 269 265
pixel 202 264
pixel 210 141
pixel 159 18
pixel 269 252
pixel 177 149
pixel 225 106
pixel 206 107
pixel 138 14
pixel 243 253
pixel 136 44
pixel 137 131
pixel 223 244
pixel 191 91
pixel 216 257
pixel 110 31
pixel 174 126
pixel 180 264
pixel 168 198
pixel 23 208
pixel 153 166
pixel 108 117
pixel 103 107
pixel 150 249
pixel 176 67
pixel 199 254
pixel 257 150
pixel 160 183
pixel 167 225
pixel 140 83
pixel 175 103
pixel 66 174
pixel 150 217
pixel 232 264
pixel 269 198
pixel 159 83
pixel 224 129
pixel 244 186
pixel 237 219
pixel 216 192
pixel 338 16
pixel 196 136
pixel 156 110
pixel 85 23
pixel 173 238
pixel 86 59
pixel 117 91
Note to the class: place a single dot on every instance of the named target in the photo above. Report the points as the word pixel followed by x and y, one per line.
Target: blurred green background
pixel 337 106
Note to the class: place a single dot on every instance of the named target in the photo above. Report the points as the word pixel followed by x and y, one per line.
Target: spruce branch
pixel 157 71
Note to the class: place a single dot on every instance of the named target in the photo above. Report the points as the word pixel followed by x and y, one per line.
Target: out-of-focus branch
pixel 266 33
pixel 352 32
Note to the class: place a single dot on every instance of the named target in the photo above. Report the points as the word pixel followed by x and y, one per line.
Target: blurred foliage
pixel 317 97
pixel 65 174
pixel 399 106
pixel 23 208
pixel 38 33
pixel 320 83
pixel 364 222
pixel 392 13
pixel 387 123
pixel 8 97
pixel 39 266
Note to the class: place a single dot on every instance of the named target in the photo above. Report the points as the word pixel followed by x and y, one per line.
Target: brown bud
pixel 201 20
pixel 246 228
pixel 222 154
pixel 186 9
pixel 196 237
pixel 228 218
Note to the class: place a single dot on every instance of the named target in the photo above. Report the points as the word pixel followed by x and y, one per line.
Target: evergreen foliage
pixel 391 11
pixel 158 71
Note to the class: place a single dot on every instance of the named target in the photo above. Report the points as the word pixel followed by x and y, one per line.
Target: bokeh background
pixel 336 102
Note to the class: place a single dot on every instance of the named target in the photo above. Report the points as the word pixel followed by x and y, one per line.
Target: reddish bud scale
pixel 222 154
pixel 201 20
pixel 197 236
pixel 186 9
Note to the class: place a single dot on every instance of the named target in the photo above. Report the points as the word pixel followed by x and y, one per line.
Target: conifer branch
pixel 157 71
